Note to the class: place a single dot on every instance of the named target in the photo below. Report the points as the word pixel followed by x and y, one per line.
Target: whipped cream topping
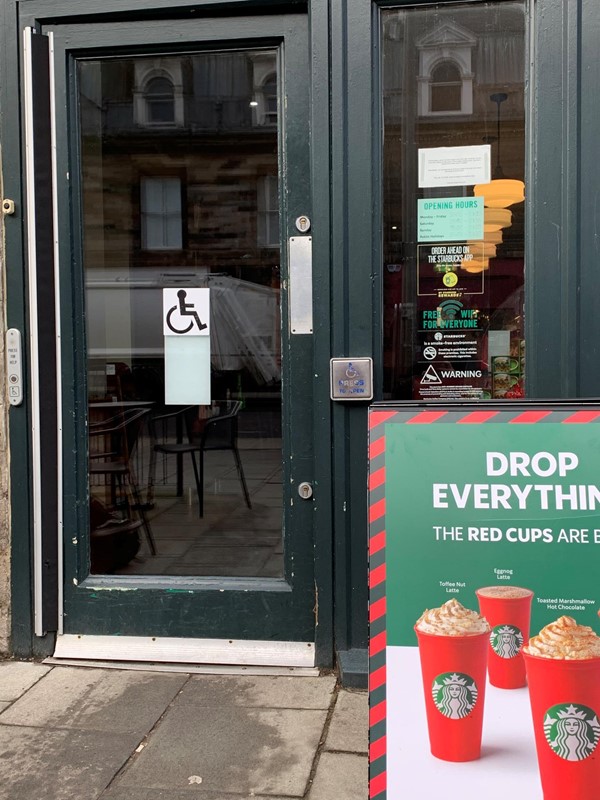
pixel 565 639
pixel 452 619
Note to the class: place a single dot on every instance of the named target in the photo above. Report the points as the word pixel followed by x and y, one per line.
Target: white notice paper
pixel 498 344
pixel 454 166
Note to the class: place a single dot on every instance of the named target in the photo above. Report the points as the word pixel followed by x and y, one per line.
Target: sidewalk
pixel 87 733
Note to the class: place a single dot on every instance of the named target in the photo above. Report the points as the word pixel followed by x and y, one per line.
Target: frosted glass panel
pixel 187 370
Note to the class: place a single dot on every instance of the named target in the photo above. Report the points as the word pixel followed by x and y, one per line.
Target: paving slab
pixel 349 728
pixel 340 776
pixel 200 555
pixel 17 676
pixel 236 538
pixel 173 547
pixel 259 691
pixel 59 765
pixel 95 699
pixel 231 749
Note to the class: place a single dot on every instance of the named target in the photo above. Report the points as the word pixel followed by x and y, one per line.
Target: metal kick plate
pixel 351 378
pixel 300 294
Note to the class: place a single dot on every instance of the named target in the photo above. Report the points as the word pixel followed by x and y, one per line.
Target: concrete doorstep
pixel 79 732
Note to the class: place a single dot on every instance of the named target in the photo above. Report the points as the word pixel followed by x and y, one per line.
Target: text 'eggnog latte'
pixel 453 643
pixel 563 671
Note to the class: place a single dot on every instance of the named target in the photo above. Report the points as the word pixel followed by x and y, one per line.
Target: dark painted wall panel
pixel 589 205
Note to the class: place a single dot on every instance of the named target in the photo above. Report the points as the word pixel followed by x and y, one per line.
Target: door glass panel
pixel 180 190
pixel 453 195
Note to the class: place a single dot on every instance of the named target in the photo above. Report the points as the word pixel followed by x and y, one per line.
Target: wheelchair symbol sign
pixel 186 312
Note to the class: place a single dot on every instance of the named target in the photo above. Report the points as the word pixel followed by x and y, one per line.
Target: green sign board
pixel 463 499
pixel 449 219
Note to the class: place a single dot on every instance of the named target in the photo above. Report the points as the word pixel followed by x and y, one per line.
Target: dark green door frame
pixel 23 642
pixel 213 608
pixel 562 307
pixel 355 304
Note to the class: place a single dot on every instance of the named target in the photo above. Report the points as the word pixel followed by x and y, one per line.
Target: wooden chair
pixel 115 440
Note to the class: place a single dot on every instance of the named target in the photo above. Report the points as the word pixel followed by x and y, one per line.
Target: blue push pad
pixel 187 370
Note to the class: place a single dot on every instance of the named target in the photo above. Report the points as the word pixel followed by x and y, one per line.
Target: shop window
pixel 268 211
pixel 160 208
pixel 453 189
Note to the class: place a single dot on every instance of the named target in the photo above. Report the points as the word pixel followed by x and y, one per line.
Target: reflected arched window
pixel 445 87
pixel 269 94
pixel 160 101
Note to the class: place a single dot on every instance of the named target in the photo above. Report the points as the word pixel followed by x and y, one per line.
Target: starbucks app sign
pixel 462 499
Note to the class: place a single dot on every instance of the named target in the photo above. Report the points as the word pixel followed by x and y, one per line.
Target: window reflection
pixel 160 101
pixel 180 189
pixel 446 87
pixel 160 211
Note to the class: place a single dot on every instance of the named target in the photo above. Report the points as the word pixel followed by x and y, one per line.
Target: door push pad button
pixel 351 378
pixel 13 367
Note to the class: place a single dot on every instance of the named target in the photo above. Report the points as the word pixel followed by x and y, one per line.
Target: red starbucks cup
pixel 565 703
pixel 508 611
pixel 454 673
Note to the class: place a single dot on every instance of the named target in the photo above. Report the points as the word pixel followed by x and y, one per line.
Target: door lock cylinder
pixel 305 490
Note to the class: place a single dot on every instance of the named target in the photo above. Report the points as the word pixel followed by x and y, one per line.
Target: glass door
pixel 185 167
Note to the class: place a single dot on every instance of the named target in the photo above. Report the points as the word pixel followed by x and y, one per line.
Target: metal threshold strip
pixel 217 653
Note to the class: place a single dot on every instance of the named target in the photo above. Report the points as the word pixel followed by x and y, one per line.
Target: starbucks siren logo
pixel 506 641
pixel 454 694
pixel 572 731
